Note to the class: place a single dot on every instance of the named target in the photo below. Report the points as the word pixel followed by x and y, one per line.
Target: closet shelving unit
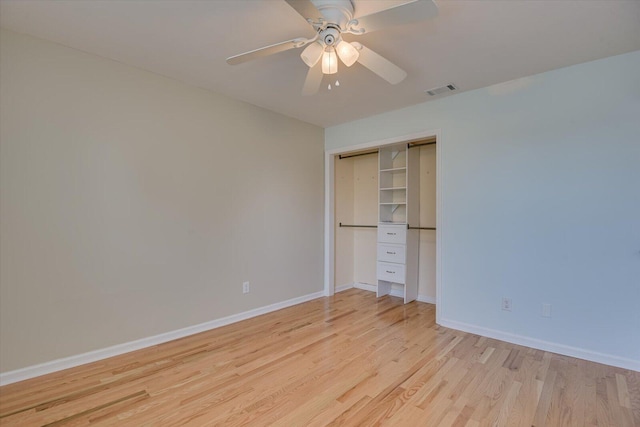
pixel 398 204
pixel 393 185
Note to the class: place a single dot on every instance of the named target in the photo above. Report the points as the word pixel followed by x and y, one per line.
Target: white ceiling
pixel 473 44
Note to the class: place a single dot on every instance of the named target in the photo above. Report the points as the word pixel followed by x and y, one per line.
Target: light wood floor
pixel 346 360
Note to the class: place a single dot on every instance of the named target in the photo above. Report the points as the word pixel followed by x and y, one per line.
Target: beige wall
pixel 132 204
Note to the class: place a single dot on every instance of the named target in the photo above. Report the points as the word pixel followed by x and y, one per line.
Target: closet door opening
pixel 361 204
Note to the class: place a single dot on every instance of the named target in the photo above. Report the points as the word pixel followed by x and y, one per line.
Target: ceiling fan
pixel 331 19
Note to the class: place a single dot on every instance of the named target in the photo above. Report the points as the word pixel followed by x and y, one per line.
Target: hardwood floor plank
pixel 343 419
pixel 348 360
pixel 100 410
pixel 544 403
pixel 505 409
pixel 633 386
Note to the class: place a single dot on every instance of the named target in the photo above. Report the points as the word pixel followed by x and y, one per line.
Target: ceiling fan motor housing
pixel 336 12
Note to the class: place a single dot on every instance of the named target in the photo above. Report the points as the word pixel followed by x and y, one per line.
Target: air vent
pixel 443 89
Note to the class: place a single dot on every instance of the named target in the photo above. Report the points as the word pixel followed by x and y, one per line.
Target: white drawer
pixel 392 233
pixel 391 253
pixel 391 272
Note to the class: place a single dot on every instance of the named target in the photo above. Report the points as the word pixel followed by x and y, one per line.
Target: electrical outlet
pixel 245 287
pixel 506 304
pixel 546 310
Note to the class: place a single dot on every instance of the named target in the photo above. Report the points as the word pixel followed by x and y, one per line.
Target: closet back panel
pixel 344 237
pixel 365 202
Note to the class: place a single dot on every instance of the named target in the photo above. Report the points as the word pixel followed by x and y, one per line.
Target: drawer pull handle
pixel 391 253
pixel 391 234
pixel 390 272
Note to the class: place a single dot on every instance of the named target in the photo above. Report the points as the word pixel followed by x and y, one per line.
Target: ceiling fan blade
pixel 379 65
pixel 407 13
pixel 313 80
pixel 266 51
pixel 306 9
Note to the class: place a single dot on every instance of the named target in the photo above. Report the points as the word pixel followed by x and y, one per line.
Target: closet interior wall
pixel 343 252
pixel 356 203
pixel 427 252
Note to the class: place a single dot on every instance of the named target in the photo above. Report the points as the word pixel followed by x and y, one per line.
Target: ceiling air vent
pixel 443 89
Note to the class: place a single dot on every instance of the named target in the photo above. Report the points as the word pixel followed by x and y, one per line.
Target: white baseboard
pixel 93 356
pixel 565 350
pixel 365 286
pixel 343 287
pixel 427 299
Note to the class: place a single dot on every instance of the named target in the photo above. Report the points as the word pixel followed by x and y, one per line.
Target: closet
pixel 385 205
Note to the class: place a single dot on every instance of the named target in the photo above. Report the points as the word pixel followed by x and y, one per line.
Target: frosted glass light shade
pixel 347 53
pixel 329 62
pixel 312 53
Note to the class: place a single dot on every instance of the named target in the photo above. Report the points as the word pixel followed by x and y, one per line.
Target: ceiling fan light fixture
pixel 347 53
pixel 330 19
pixel 329 61
pixel 312 54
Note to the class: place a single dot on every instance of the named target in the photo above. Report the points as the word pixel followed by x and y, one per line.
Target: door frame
pixel 329 205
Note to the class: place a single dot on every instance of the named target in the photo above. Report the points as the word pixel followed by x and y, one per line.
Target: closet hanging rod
pixel 410 145
pixel 346 156
pixel 375 226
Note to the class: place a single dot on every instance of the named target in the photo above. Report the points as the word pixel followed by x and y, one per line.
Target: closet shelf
pixel 392 207
pixel 394 170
